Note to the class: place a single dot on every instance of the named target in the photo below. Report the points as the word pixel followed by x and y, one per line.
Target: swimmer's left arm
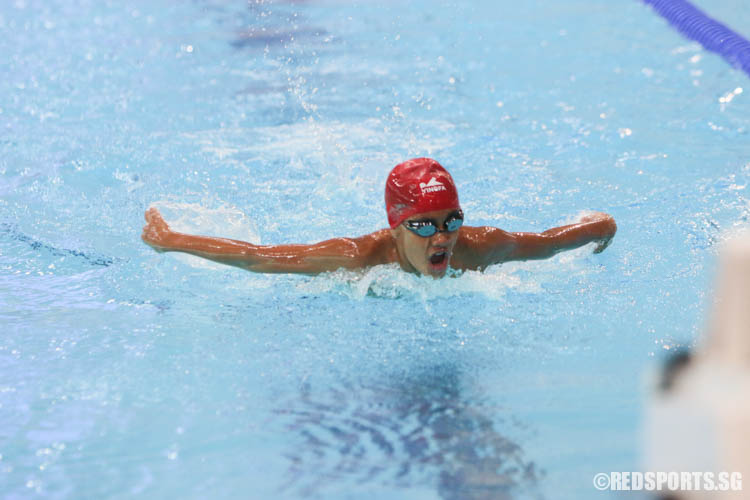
pixel 495 245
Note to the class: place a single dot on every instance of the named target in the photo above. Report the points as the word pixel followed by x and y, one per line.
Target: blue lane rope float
pixel 713 35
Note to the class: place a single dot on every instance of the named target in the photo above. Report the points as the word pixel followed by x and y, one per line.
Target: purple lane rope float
pixel 714 36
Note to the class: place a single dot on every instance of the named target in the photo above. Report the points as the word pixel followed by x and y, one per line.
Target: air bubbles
pixel 727 98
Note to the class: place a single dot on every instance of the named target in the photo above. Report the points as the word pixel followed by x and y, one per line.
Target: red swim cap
pixel 417 186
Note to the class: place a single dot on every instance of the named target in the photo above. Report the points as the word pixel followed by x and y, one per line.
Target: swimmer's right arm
pixel 348 253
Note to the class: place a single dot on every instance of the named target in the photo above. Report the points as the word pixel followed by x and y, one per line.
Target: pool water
pixel 127 373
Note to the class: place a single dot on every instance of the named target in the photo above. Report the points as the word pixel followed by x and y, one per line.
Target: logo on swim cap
pixel 417 186
pixel 431 186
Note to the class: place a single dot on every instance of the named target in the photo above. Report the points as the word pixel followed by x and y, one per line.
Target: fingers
pixel 594 216
pixel 155 230
pixel 152 214
pixel 601 246
pixel 154 218
pixel 146 233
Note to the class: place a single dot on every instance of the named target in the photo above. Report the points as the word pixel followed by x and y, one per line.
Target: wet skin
pixel 416 251
pixel 468 248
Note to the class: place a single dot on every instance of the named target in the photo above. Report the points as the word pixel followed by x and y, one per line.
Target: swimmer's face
pixel 430 255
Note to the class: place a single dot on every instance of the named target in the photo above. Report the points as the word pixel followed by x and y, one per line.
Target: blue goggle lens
pixel 453 224
pixel 425 229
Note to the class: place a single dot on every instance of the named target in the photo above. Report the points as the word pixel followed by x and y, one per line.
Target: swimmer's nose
pixel 440 238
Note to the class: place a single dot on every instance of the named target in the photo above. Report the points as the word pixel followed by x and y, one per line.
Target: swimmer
pixel 426 235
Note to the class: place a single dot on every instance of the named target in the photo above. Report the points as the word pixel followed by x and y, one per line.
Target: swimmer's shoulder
pixel 378 248
pixel 480 246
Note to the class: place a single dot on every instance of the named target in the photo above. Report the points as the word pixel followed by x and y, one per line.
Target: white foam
pixel 332 150
pixel 225 221
pixel 389 281
pixel 304 137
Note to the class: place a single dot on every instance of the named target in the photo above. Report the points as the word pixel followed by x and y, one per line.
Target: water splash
pixel 226 221
pixel 389 281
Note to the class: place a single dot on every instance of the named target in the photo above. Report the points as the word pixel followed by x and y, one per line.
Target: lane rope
pixel 713 35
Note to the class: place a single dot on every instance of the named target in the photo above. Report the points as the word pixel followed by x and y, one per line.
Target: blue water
pixel 129 373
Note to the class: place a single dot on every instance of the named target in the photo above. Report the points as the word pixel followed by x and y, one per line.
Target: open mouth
pixel 438 258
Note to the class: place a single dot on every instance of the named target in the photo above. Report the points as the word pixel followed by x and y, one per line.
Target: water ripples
pixel 416 431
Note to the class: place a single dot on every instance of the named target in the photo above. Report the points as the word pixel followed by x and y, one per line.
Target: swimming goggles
pixel 428 227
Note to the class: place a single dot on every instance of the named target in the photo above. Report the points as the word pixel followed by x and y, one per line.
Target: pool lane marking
pixel 12 232
pixel 713 35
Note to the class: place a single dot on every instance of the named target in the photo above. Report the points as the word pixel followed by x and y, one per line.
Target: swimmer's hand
pixel 607 225
pixel 329 255
pixel 602 244
pixel 156 232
